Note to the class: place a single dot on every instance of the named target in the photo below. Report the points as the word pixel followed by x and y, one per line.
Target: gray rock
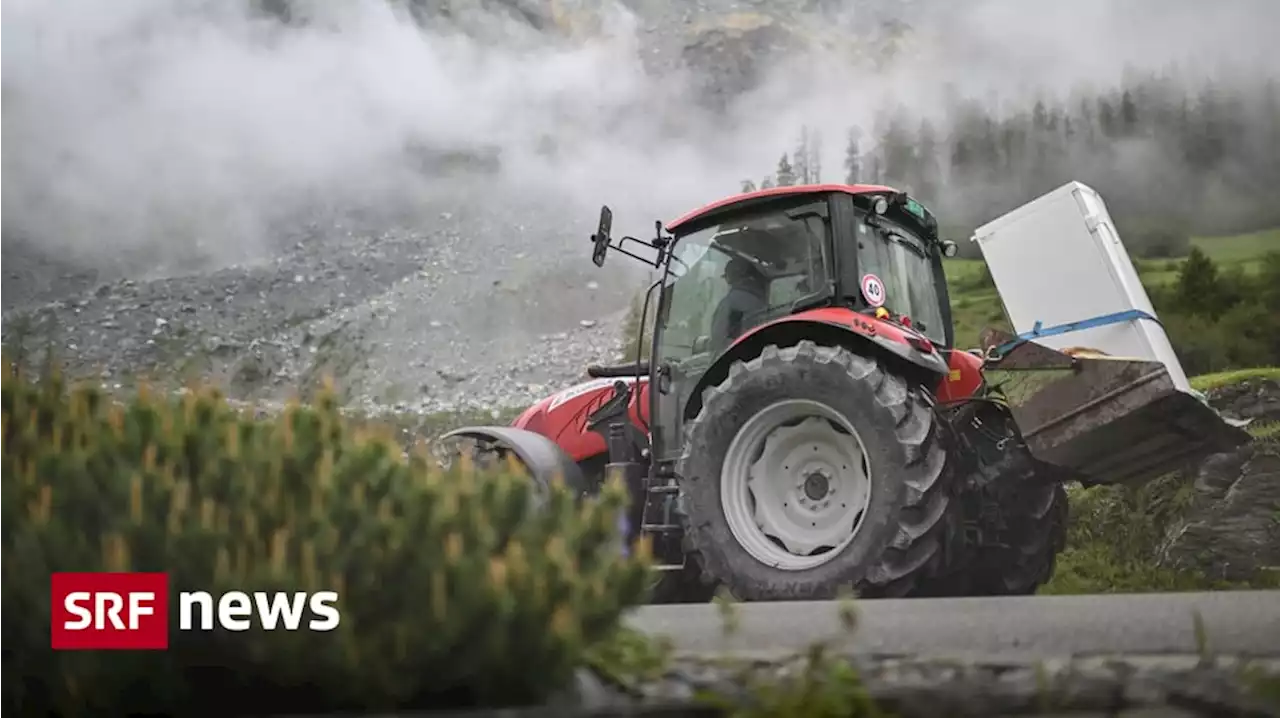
pixel 732 58
pixel 1257 399
pixel 1231 529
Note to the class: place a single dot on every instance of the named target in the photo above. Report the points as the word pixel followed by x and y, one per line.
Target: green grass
pixel 1157 272
pixel 975 305
pixel 1208 382
pixel 1265 430
pixel 962 271
pixel 1241 252
pixel 971 314
pixel 1241 249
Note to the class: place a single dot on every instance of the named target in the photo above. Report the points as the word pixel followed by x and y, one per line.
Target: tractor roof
pixel 729 204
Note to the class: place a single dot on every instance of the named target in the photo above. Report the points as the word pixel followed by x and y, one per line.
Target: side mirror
pixel 950 248
pixel 601 238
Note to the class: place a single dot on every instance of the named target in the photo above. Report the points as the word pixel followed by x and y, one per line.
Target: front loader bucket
pixel 1105 420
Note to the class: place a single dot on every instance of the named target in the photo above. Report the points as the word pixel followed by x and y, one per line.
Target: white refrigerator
pixel 1059 260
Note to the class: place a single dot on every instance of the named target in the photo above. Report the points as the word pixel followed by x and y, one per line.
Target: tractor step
pixel 669 567
pixel 664 489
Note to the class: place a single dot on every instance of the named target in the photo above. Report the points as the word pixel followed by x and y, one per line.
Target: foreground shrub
pixel 453 591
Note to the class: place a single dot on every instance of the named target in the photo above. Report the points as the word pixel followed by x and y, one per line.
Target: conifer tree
pixel 853 156
pixel 786 174
pixel 800 157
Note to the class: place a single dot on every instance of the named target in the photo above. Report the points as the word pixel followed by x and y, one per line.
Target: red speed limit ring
pixel 873 290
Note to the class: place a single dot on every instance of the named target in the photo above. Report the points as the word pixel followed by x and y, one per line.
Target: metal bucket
pixel 1105 420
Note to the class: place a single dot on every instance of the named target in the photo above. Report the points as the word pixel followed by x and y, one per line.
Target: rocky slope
pixel 460 306
pixel 1231 529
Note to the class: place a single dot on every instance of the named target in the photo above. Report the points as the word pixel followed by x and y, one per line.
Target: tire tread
pixel 917 541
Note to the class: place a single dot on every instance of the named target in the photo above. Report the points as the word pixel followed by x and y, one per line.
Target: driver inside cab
pixel 744 304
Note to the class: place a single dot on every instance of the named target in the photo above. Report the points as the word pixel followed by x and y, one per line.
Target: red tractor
pixel 803 423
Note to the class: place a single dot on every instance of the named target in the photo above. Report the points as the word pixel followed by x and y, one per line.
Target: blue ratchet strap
pixel 1037 332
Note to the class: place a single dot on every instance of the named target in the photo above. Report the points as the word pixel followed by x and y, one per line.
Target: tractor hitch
pixel 1103 419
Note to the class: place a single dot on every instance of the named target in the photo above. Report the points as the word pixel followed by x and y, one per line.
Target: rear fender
pixel 918 361
pixel 544 459
pixel 964 377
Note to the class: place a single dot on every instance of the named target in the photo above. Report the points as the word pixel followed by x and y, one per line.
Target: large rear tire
pixel 1021 542
pixel 811 469
pixel 1034 533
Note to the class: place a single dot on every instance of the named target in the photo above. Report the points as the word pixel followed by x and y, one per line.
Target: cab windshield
pixel 904 264
pixel 731 277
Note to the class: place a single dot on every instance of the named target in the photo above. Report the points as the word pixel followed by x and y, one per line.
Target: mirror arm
pixel 646 260
pixel 655 262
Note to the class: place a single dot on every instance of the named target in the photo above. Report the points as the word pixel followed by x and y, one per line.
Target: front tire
pixel 813 435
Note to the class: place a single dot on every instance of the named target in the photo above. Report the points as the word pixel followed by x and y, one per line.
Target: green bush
pixel 1222 320
pixel 453 591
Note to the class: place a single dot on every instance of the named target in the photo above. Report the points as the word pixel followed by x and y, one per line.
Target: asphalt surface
pixel 1245 623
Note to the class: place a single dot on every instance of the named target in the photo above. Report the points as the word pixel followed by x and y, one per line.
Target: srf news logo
pixel 130 611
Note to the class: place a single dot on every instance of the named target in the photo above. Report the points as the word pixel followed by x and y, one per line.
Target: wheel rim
pixel 795 484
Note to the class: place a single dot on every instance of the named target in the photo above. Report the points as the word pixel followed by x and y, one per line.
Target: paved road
pixel 1243 623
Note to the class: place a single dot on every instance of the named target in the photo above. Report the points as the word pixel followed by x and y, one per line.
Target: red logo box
pixel 109 611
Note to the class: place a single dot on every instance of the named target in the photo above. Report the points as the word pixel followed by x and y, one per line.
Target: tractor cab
pixel 731 276
pixel 733 268
pixel 737 274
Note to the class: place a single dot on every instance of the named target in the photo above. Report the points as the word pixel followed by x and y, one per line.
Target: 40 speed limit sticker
pixel 873 290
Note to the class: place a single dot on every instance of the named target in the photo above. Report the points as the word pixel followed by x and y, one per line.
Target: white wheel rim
pixel 795 484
